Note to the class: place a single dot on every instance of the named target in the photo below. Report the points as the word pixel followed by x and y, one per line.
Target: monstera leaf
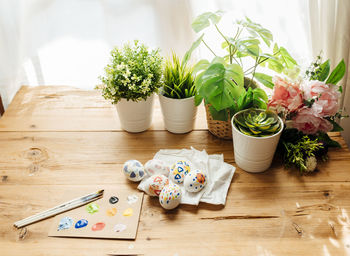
pixel 203 20
pixel 220 84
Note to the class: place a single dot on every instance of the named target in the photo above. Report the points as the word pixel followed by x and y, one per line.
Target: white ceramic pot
pixel 135 116
pixel 178 114
pixel 254 154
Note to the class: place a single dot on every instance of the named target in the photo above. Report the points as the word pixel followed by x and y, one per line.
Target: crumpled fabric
pixel 218 172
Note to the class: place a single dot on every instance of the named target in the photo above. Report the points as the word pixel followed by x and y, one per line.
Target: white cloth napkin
pixel 218 172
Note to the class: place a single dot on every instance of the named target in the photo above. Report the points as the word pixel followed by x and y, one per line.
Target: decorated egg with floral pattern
pixel 178 171
pixel 195 181
pixel 156 166
pixel 170 196
pixel 134 170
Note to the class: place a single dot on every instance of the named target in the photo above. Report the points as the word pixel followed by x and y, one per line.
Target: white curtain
pixel 67 42
pixel 330 33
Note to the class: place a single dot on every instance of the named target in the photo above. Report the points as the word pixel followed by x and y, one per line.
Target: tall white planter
pixel 254 154
pixel 178 114
pixel 135 116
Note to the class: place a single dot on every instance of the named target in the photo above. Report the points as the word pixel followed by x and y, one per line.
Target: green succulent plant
pixel 257 123
pixel 178 81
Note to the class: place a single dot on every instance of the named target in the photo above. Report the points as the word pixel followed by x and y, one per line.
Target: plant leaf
pixel 218 88
pixel 248 46
pixel 328 141
pixel 203 20
pixel 218 115
pixel 188 54
pixel 337 74
pixel 260 98
pixel 323 71
pixel 198 99
pixel 336 126
pixel 287 58
pixel 200 66
pixel 264 79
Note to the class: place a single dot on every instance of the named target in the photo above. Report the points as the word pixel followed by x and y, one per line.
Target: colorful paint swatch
pixel 81 223
pixel 65 223
pixel 128 212
pixel 92 208
pixel 115 216
pixel 113 200
pixel 111 212
pixel 98 226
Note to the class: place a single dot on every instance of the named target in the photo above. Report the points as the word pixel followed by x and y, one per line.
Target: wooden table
pixel 54 139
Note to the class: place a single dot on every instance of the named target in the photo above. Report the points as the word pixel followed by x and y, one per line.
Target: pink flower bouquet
pixel 310 108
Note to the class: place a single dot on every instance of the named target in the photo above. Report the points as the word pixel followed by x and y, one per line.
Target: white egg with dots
pixel 195 181
pixel 134 170
pixel 170 196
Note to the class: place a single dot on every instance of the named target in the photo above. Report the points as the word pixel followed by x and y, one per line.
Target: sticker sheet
pixel 115 216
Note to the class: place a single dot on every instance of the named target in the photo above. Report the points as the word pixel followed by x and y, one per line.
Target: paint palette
pixel 115 216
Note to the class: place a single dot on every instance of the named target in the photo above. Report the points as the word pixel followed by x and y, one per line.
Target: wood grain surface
pixel 76 144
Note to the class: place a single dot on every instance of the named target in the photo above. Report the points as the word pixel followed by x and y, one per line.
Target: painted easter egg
pixel 170 196
pixel 178 171
pixel 134 170
pixel 156 166
pixel 156 184
pixel 195 181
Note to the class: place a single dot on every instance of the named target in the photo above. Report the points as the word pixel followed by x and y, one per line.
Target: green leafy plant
pixel 301 153
pixel 320 71
pixel 257 123
pixel 134 73
pixel 178 81
pixel 223 83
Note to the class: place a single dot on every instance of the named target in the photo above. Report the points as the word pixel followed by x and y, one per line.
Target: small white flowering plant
pixel 134 73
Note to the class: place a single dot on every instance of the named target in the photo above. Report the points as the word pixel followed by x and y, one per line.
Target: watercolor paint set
pixel 115 216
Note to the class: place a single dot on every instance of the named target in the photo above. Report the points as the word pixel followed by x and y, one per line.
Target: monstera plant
pixel 226 83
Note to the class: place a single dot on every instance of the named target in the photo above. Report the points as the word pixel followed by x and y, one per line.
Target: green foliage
pixel 320 71
pixel 203 20
pixel 337 74
pixel 178 80
pixel 297 152
pixel 134 73
pixel 257 123
pixel 264 79
pixel 221 82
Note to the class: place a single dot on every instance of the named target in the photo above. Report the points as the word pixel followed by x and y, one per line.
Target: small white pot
pixel 135 116
pixel 254 154
pixel 178 114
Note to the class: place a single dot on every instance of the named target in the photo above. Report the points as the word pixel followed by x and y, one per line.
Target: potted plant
pixel 255 133
pixel 310 108
pixel 130 81
pixel 177 96
pixel 228 83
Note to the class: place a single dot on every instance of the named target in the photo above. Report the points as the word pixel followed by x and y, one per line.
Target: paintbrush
pixel 60 208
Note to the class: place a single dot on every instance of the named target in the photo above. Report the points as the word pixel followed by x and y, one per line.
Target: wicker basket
pixel 221 129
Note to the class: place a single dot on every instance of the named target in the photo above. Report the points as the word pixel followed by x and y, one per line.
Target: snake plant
pixel 257 123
